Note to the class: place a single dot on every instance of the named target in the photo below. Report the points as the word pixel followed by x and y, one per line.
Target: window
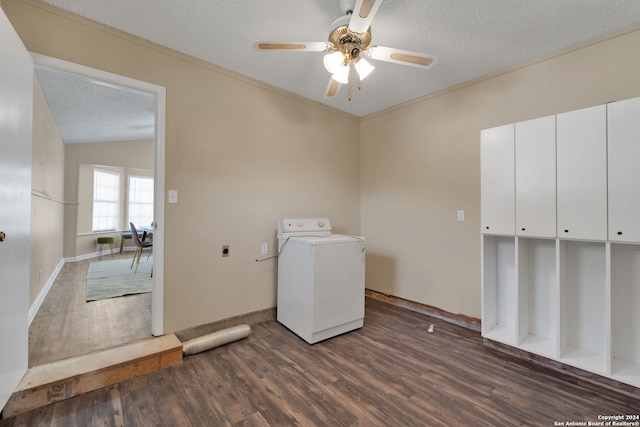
pixel 140 200
pixel 106 189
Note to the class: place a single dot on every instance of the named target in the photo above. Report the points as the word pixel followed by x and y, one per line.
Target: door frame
pixel 159 92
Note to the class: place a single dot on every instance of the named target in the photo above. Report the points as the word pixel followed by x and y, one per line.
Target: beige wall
pixel 47 195
pixel 124 157
pixel 421 163
pixel 241 155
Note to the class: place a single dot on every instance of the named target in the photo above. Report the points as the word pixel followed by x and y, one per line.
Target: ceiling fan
pixel 348 44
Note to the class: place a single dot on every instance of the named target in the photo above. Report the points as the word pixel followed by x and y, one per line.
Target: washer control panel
pixel 303 225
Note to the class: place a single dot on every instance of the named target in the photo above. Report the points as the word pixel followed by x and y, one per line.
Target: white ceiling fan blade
pixel 294 46
pixel 332 88
pixel 363 13
pixel 403 57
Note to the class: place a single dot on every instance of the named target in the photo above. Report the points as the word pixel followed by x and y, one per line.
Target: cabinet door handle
pixel 619 233
pixel 566 231
pixel 523 229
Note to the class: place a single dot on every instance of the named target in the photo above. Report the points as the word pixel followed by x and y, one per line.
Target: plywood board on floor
pixel 55 381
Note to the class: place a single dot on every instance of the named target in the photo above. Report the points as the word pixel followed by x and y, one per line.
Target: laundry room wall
pixel 420 164
pixel 241 155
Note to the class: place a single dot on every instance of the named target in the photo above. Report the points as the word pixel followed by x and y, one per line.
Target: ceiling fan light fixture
pixel 341 75
pixel 364 68
pixel 333 61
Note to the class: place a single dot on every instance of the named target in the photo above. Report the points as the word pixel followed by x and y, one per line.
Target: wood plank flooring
pixel 66 325
pixel 392 372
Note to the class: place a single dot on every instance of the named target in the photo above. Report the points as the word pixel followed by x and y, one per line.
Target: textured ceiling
pixel 470 38
pixel 90 111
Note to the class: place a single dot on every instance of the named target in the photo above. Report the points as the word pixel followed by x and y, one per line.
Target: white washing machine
pixel 320 279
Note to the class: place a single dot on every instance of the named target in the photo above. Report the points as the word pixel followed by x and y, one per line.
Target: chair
pixel 106 240
pixel 123 237
pixel 126 235
pixel 142 245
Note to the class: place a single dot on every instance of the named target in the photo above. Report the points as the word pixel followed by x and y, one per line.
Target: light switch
pixel 460 215
pixel 173 196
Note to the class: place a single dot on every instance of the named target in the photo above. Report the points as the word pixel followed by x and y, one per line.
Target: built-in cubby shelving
pixel 537 296
pixel 625 312
pixel 499 311
pixel 561 238
pixel 583 305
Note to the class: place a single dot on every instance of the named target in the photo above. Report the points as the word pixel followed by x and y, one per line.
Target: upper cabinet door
pixel 582 173
pixel 624 170
pixel 535 142
pixel 497 180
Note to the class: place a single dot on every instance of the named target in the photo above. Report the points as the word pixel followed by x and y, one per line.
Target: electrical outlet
pixel 264 249
pixel 460 215
pixel 225 250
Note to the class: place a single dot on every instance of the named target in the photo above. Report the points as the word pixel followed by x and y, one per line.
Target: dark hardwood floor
pixel 66 325
pixel 392 372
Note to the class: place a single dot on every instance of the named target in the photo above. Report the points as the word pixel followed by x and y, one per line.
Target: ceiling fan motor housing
pixel 343 40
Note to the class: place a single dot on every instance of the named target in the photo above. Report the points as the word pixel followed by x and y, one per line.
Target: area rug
pixel 116 278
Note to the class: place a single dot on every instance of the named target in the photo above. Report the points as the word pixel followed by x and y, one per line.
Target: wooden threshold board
pixel 55 381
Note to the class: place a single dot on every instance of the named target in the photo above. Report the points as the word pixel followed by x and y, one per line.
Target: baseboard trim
pixel 97 254
pixel 33 310
pixel 243 319
pixel 456 319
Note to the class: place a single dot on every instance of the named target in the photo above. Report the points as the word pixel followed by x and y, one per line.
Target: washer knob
pixel 300 224
pixel 321 223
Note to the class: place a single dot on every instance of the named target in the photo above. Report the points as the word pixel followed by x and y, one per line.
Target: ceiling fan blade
pixel 296 46
pixel 332 89
pixel 403 57
pixel 363 13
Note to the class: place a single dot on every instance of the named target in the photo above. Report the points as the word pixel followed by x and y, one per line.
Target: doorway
pixel 100 77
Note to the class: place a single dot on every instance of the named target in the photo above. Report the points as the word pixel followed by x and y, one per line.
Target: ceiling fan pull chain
pixel 349 80
pixel 353 75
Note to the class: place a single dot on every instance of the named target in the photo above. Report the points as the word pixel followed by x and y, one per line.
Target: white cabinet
pixel 582 174
pixel 623 128
pixel 561 275
pixel 535 171
pixel 498 182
